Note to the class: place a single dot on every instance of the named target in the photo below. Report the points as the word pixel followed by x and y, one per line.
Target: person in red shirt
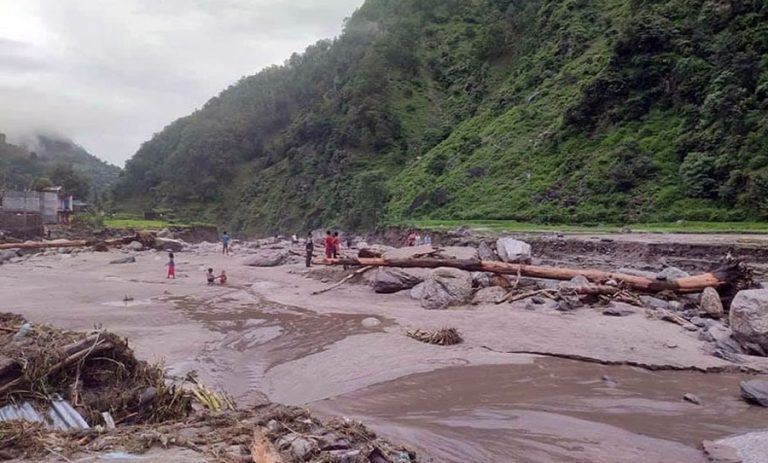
pixel 328 245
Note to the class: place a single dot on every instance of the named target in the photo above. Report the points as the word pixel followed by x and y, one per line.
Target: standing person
pixel 336 245
pixel 411 240
pixel 310 246
pixel 225 243
pixel 171 267
pixel 328 245
pixel 428 240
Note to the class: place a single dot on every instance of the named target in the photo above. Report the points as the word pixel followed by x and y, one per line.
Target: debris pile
pixel 441 337
pixel 127 405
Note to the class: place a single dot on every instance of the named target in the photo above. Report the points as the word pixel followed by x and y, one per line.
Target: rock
pixel 720 453
pixel 98 247
pixel 500 281
pixel 481 279
pixel 371 322
pixel 536 303
pixel 698 321
pixel 671 274
pixel 299 447
pixel 567 304
pixel 722 336
pixel 392 280
pixel 485 252
pixel 619 309
pixel 165 233
pixel 417 292
pixel 488 295
pixel 458 253
pixel 575 282
pixel 755 391
pixel 654 303
pixel 710 303
pixel 167 244
pixel 512 250
pixel 8 254
pixel 751 447
pixel 692 399
pixel 134 246
pixel 446 287
pixel 749 319
pixel 124 260
pixel 266 259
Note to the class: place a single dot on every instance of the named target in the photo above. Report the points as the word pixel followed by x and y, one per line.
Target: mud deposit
pixel 554 411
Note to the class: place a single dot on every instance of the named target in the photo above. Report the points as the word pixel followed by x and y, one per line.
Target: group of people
pixel 332 246
pixel 416 239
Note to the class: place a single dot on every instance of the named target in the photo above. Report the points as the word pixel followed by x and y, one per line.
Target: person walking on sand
pixel 310 246
pixel 225 243
pixel 328 245
pixel 171 267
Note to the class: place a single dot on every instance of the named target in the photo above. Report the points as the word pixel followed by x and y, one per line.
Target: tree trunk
pixel 722 277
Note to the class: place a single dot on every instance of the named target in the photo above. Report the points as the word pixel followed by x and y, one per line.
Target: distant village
pixel 27 213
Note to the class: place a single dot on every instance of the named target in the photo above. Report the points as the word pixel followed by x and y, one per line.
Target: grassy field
pixel 125 222
pixel 512 226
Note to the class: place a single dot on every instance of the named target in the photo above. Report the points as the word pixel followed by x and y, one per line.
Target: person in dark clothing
pixel 310 249
pixel 210 277
pixel 336 245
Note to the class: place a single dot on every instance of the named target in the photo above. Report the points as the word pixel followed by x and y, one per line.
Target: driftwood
pixel 262 450
pixel 724 276
pixel 73 353
pixel 344 280
pixel 144 238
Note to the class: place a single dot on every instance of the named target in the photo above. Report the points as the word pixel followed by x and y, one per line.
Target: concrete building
pixel 52 206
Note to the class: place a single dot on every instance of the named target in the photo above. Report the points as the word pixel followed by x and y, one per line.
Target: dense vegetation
pixel 47 161
pixel 571 111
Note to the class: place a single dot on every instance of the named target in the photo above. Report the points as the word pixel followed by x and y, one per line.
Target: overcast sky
pixel 110 73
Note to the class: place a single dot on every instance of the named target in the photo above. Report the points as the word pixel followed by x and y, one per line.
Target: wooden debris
pixel 344 280
pixel 726 276
pixel 441 337
pixel 262 450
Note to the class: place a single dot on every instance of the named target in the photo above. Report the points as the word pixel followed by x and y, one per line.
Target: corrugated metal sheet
pixel 60 415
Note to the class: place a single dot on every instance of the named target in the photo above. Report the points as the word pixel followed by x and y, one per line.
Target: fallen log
pixel 144 238
pixel 726 276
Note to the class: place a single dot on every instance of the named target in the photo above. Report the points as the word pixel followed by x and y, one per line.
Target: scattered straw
pixel 442 337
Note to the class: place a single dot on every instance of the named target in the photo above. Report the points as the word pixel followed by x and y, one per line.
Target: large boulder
pixel 134 246
pixel 450 252
pixel 167 244
pixel 489 295
pixel 749 319
pixel 266 259
pixel 755 391
pixel 8 254
pixel 512 250
pixel 392 280
pixel 710 303
pixel 446 287
pixel 485 252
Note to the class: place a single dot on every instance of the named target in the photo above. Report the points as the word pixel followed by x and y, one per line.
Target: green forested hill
pixel 49 157
pixel 540 110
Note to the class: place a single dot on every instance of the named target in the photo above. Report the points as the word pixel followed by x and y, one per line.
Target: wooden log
pixel 262 450
pixel 722 277
pixel 344 280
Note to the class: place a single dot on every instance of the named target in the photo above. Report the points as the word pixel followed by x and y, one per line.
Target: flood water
pixel 554 411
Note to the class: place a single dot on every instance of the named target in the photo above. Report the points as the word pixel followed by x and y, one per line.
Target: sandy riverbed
pixel 265 336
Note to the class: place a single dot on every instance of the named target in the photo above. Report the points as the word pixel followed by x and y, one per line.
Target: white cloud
pixel 110 73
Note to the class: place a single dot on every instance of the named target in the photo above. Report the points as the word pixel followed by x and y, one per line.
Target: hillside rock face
pixel 405 116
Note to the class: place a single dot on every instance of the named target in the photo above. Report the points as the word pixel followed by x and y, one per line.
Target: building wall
pixel 44 203
pixel 22 224
pixel 21 201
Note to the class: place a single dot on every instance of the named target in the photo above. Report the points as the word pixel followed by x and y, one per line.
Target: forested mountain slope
pixel 544 110
pixel 50 156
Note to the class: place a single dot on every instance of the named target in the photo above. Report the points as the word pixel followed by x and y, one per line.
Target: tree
pixel 40 184
pixel 73 183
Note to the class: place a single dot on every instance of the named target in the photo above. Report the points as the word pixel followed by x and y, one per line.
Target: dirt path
pixel 265 334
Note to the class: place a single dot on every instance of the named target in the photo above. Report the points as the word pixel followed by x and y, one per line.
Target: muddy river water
pixel 554 410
